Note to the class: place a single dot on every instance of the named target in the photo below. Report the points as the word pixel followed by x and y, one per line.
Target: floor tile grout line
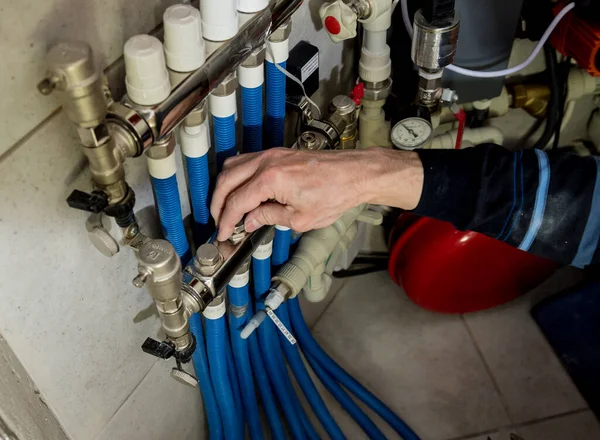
pixel 27 136
pixel 521 425
pixel 503 401
pixel 128 397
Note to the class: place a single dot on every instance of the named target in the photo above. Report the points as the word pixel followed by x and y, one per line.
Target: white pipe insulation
pixel 471 137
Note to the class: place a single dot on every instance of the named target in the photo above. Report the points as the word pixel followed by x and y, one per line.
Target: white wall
pixel 70 315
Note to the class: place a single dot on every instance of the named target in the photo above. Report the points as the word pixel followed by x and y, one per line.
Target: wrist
pixel 392 178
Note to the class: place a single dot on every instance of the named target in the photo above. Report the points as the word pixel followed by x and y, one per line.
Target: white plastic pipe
pixel 375 41
pixel 219 19
pixel 471 137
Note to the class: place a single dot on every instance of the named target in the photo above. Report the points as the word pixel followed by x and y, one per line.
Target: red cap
pixel 358 93
pixel 332 25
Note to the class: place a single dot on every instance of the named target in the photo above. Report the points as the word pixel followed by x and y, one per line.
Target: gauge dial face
pixel 411 133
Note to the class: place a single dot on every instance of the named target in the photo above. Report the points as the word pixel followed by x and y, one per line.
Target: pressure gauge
pixel 411 133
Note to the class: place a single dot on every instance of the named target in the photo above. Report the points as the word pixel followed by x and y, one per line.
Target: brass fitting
pixel 72 71
pixel 378 91
pixel 197 116
pixel 227 87
pixel 532 98
pixel 162 149
pixel 256 58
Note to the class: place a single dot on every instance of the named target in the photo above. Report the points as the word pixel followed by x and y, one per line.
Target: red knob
pixel 332 25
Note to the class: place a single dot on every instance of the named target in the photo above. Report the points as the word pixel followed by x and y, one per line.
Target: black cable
pixel 553 112
pixel 564 69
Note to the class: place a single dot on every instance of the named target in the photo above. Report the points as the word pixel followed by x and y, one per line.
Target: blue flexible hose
pixel 345 400
pixel 238 297
pixel 264 388
pixel 275 104
pixel 224 132
pixel 308 387
pixel 215 427
pixel 311 347
pixel 252 118
pixel 169 212
pixel 281 246
pixel 235 384
pixel 199 187
pixel 217 359
pixel 272 355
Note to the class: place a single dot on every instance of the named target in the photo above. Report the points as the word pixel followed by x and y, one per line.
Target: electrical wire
pixel 498 73
pixel 297 81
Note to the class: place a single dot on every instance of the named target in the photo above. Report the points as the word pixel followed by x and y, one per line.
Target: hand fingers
pixel 241 201
pixel 235 174
pixel 270 213
pixel 238 160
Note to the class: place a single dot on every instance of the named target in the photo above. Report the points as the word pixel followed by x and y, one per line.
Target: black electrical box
pixel 303 63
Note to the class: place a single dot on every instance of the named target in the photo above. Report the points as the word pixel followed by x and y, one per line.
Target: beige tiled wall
pixel 71 315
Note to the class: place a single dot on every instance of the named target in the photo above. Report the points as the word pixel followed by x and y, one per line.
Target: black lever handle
pixel 163 350
pixel 96 202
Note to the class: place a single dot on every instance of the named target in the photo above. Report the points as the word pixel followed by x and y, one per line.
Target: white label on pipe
pixel 308 69
pixel 282 328
pixel 215 312
pixel 240 280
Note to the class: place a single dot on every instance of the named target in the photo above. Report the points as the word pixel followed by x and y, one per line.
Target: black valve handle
pixel 95 202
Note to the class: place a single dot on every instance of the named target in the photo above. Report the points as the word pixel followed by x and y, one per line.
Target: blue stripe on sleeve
pixel 591 233
pixel 540 200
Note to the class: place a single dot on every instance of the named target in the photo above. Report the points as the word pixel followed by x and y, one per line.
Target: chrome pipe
pixel 151 124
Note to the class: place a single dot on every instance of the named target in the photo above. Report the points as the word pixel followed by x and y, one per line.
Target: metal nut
pixel 207 259
pixel 239 232
pixel 162 149
pixel 378 93
pixel 227 87
pixel 94 137
pixel 282 33
pixel 196 116
pixel 255 59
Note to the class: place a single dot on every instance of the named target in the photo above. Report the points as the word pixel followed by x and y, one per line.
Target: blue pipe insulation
pixel 306 384
pixel 264 388
pixel 169 212
pixel 272 355
pixel 224 132
pixel 235 385
pixel 216 344
pixel 199 187
pixel 345 400
pixel 238 299
pixel 275 104
pixel 281 246
pixel 215 427
pixel 252 118
pixel 311 347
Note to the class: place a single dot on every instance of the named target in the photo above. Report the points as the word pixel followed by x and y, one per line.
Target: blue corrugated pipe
pixel 272 355
pixel 216 344
pixel 311 347
pixel 238 300
pixel 169 212
pixel 306 384
pixel 224 132
pixel 275 104
pixel 199 187
pixel 252 118
pixel 215 427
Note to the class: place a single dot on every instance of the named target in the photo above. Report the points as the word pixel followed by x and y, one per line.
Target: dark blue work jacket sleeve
pixel 546 203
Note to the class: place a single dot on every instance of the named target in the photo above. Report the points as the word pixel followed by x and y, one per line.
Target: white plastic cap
pixel 219 19
pixel 146 76
pixel 184 46
pixel 251 6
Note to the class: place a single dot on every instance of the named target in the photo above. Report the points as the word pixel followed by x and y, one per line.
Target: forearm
pixel 544 203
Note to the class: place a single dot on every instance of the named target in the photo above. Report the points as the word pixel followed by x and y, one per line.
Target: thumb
pixel 270 213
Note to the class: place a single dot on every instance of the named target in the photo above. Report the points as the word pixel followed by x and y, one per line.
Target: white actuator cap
pixel 146 76
pixel 184 46
pixel 219 19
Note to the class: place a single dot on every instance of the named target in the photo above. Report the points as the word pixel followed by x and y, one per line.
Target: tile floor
pixel 481 376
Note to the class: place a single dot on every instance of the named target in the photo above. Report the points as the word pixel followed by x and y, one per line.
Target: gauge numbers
pixel 411 133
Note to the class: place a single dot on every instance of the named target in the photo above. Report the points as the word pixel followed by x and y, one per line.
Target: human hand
pixel 303 190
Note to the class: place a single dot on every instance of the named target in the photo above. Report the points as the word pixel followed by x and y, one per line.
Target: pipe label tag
pixel 282 328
